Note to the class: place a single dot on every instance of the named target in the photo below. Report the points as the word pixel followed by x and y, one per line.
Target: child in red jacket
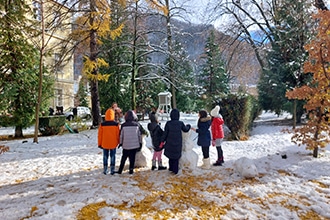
pixel 217 133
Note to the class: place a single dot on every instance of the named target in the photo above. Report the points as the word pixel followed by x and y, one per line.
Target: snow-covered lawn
pixel 61 178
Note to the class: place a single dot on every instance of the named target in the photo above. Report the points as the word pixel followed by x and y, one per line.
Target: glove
pixel 100 147
pixel 213 143
pixel 161 145
pixel 119 146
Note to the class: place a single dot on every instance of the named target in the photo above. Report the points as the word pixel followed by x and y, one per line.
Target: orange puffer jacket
pixel 108 133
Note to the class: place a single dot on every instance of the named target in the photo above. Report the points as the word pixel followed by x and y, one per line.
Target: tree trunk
pixel 133 94
pixel 170 52
pixel 134 60
pixel 41 60
pixel 18 132
pixel 315 152
pixel 294 112
pixel 93 57
pixel 95 104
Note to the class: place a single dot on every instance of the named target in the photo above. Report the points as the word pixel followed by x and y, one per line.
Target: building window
pixel 37 10
pixel 58 97
pixel 57 19
pixel 58 67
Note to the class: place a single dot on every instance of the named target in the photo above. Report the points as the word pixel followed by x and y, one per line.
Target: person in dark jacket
pixel 204 136
pixel 156 133
pixel 172 140
pixel 130 140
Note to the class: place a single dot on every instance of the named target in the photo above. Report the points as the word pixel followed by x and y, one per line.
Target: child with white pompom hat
pixel 217 133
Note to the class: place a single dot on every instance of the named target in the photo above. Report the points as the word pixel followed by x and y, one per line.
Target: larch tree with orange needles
pixel 93 24
pixel 315 133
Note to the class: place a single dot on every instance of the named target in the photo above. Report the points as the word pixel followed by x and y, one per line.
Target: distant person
pixel 130 141
pixel 118 112
pixel 172 140
pixel 156 133
pixel 108 140
pixel 59 110
pixel 217 133
pixel 51 110
pixel 204 136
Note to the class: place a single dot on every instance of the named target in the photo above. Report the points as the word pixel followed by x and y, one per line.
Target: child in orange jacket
pixel 108 140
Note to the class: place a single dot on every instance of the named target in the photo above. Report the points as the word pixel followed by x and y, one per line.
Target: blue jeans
pixel 112 153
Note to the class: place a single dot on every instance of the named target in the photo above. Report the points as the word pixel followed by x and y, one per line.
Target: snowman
pixel 189 157
pixel 144 156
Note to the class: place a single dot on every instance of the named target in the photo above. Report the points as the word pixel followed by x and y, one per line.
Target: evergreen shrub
pixel 239 112
pixel 51 125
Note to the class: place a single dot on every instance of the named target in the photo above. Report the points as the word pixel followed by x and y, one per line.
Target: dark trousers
pixel 173 165
pixel 206 151
pixel 220 153
pixel 130 154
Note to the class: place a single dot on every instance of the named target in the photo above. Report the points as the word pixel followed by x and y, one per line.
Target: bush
pixel 6 120
pixel 51 125
pixel 239 112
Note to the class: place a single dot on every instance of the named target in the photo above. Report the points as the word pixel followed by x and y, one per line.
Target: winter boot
pixel 219 162
pixel 131 171
pixel 121 167
pixel 112 169
pixel 206 163
pixel 160 166
pixel 105 170
pixel 153 167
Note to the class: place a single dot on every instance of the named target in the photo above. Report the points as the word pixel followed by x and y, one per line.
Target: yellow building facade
pixel 55 22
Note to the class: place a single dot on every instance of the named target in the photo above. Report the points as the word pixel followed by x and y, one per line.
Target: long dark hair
pixel 202 114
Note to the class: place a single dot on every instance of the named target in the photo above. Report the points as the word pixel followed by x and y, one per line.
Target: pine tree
pixel 18 61
pixel 214 77
pixel 116 53
pixel 286 57
pixel 184 79
pixel 81 96
pixel 93 26
pixel 316 133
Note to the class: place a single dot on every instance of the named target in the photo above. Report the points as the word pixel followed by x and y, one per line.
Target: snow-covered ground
pixel 61 178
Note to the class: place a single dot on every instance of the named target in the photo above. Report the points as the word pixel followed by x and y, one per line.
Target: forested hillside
pixel 243 66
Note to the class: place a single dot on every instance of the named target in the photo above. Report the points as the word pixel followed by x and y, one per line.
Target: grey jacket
pixel 130 135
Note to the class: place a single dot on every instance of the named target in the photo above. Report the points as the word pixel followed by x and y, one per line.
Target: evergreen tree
pixel 81 96
pixel 286 58
pixel 93 26
pixel 184 79
pixel 18 66
pixel 118 54
pixel 214 78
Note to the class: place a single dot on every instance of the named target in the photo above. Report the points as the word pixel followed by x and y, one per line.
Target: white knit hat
pixel 215 112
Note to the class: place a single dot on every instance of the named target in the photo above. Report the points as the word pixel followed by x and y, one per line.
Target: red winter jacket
pixel 216 128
